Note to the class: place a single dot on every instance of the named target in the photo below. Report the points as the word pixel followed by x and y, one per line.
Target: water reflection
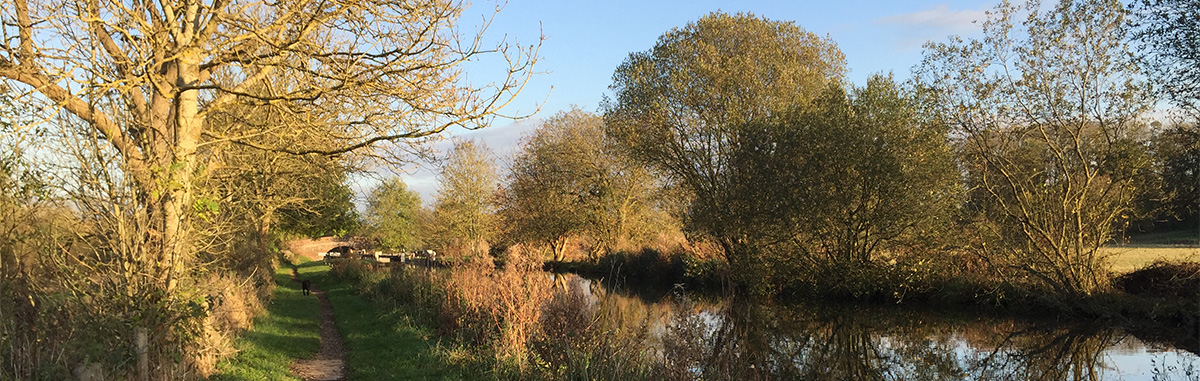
pixel 729 339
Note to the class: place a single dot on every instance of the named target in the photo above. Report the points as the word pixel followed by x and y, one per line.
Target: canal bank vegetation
pixel 580 330
pixel 999 176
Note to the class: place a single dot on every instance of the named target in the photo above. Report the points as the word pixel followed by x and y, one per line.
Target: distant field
pixel 1126 258
pixel 1141 250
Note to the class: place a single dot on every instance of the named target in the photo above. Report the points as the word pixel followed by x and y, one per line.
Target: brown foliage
pixel 500 308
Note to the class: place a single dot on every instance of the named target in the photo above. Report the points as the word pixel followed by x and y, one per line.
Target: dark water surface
pixel 743 340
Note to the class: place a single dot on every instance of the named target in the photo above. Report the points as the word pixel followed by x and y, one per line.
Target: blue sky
pixel 587 40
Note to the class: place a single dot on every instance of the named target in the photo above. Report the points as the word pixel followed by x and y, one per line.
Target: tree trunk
pixel 264 233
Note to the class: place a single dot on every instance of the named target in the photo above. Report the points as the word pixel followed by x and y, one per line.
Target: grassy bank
pixel 287 331
pixel 489 323
pixel 383 342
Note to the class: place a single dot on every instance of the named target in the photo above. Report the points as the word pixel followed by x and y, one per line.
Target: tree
pixel 392 215
pixel 145 79
pixel 1169 34
pixel 331 213
pixel 465 208
pixel 569 180
pixel 1044 123
pixel 1177 156
pixel 683 105
pixel 269 190
pixel 854 175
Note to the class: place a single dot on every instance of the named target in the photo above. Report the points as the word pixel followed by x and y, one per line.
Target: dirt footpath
pixel 330 363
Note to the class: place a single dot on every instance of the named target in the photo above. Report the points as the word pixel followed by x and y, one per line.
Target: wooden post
pixel 141 341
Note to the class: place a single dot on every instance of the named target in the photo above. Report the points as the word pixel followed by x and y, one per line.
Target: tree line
pixel 154 154
pixel 1018 154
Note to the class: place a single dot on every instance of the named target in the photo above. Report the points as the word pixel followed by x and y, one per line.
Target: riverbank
pixel 1159 296
pixel 586 329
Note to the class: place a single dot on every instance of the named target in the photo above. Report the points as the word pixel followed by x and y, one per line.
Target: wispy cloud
pixel 915 28
pixel 504 142
pixel 939 17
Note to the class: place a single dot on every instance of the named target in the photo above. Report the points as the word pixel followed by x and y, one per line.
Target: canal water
pixel 722 336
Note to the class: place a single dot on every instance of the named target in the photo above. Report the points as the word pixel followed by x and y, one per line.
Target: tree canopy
pixel 465 207
pixel 852 176
pixel 392 215
pixel 683 105
pixel 1047 128
pixel 569 180
pixel 1169 34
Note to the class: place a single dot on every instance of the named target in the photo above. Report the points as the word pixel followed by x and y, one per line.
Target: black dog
pixel 306 286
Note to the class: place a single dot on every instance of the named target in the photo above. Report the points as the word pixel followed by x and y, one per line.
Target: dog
pixel 306 286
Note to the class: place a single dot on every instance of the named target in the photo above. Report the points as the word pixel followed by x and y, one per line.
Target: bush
pixel 1161 278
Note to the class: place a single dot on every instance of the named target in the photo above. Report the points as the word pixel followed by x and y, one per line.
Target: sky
pixel 585 41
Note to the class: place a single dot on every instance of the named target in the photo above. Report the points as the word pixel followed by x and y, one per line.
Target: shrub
pixel 1161 278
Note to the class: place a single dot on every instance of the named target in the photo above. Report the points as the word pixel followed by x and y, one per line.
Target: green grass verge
pixel 287 331
pixel 382 343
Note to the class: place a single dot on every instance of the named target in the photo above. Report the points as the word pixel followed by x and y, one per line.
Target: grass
pixel 383 343
pixel 287 331
pixel 1129 258
pixel 1140 250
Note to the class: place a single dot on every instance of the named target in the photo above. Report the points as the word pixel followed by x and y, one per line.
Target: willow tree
pixel 145 79
pixel 1045 122
pixel 683 106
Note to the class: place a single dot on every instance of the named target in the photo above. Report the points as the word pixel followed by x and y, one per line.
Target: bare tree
pixel 145 82
pixel 1046 121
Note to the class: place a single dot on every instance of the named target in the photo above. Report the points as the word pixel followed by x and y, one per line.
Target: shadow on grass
pixel 287 331
pixel 381 344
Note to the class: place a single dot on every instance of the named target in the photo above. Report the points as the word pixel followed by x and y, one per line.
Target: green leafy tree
pixel 849 178
pixel 1177 156
pixel 247 185
pixel 1169 34
pixel 392 215
pixel 332 213
pixel 465 207
pixel 683 105
pixel 1046 123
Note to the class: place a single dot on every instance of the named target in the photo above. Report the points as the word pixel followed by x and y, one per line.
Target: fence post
pixel 143 354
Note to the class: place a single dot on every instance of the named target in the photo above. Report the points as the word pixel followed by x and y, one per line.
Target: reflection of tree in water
pixel 1060 353
pixel 753 341
pixel 746 340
